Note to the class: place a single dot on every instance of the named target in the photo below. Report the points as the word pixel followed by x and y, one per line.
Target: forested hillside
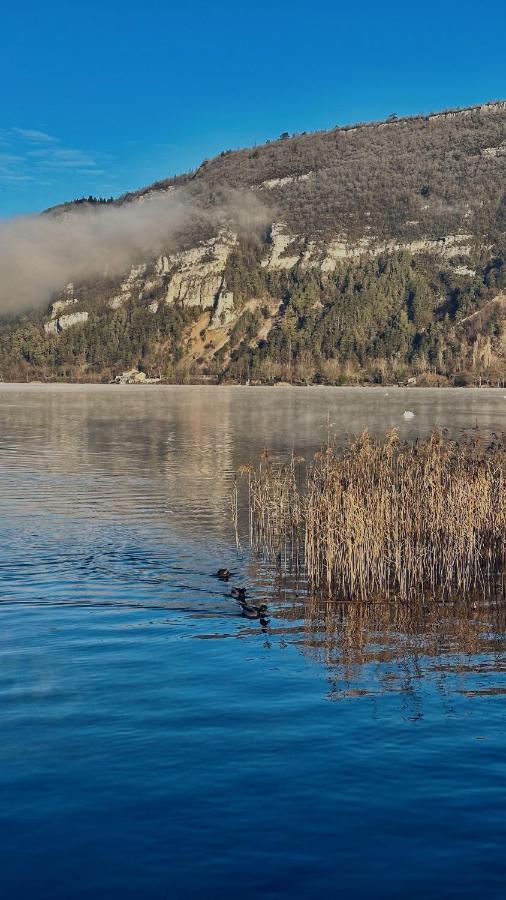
pixel 380 256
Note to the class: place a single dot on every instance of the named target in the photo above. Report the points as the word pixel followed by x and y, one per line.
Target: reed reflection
pixel 374 647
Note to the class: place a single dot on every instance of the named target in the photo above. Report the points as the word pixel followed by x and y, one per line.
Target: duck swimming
pixel 238 593
pixel 251 610
pixel 223 574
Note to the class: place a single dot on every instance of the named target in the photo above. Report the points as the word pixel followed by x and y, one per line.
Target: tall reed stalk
pixel 386 518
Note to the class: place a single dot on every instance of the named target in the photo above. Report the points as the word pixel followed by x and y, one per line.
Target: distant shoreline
pixel 279 386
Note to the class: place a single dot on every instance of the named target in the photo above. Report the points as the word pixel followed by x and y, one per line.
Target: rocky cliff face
pixel 189 278
pixel 60 320
pixel 195 278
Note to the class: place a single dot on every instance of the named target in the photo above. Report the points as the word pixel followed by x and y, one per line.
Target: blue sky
pixel 103 97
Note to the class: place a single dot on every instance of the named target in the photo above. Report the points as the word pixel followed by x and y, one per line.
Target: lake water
pixel 154 743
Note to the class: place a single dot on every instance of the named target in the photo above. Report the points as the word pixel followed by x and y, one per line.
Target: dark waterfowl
pixel 239 593
pixel 223 574
pixel 250 612
pixel 261 609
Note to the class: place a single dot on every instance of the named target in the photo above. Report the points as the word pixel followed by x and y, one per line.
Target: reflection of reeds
pixel 401 641
pixel 378 631
pixel 387 518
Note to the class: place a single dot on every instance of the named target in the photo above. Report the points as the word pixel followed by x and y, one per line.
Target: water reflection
pixel 179 748
pixel 117 497
pixel 370 649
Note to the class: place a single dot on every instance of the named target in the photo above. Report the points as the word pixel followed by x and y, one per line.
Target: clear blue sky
pixel 102 97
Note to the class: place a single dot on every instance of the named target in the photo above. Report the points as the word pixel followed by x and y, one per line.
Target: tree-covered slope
pixel 380 255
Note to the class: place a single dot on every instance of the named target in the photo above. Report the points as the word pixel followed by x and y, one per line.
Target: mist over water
pixel 182 750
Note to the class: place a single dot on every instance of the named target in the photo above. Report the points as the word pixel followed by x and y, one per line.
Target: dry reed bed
pixel 386 518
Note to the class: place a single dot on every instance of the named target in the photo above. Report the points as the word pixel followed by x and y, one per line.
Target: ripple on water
pixel 174 747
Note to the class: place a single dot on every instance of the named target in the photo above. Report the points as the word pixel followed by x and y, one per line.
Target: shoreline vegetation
pixel 385 519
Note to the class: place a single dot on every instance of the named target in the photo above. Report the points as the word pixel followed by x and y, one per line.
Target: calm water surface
pixel 154 743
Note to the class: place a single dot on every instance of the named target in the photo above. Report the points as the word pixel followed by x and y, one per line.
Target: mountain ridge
pixel 380 251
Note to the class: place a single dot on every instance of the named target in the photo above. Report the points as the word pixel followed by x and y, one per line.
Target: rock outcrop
pixel 133 283
pixel 61 323
pixel 58 322
pixel 196 277
pixel 286 251
pixel 223 313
